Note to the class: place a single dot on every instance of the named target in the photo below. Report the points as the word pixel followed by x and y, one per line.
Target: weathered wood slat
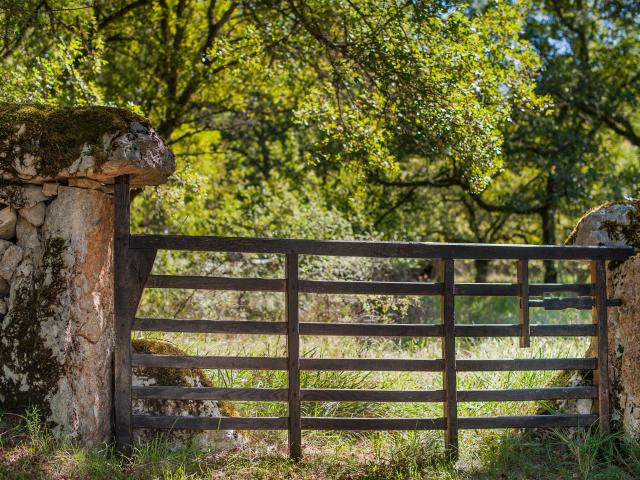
pixel 131 269
pixel 333 423
pixel 527 364
pixel 122 316
pixel 449 381
pixel 209 393
pixel 185 361
pixel 512 289
pixel 537 330
pixel 210 326
pixel 358 329
pixel 523 298
pixel 370 329
pixel 526 394
pixel 210 423
pixel 531 421
pixel 216 283
pixel 379 249
pixel 293 356
pixel 370 288
pixel 371 364
pixel 599 317
pixel 539 289
pixel 579 303
pixel 352 395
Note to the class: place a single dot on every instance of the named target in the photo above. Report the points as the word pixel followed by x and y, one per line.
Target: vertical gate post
pixel 523 294
pixel 122 347
pixel 599 316
pixel 447 309
pixel 293 352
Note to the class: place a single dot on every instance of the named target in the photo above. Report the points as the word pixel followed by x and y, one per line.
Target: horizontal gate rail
pixel 209 393
pixel 359 364
pixel 531 421
pixel 186 361
pixel 209 326
pixel 371 364
pixel 210 423
pixel 536 330
pixel 361 424
pixel 359 395
pixel 358 329
pixel 133 261
pixel 527 364
pixel 527 394
pixel 336 248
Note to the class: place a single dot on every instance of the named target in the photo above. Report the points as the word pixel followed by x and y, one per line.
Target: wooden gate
pixel 134 257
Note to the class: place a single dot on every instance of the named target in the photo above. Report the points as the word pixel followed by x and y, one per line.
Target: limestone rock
pixel 4 244
pixel 8 220
pixel 50 189
pixel 212 439
pixel 34 215
pixel 106 143
pixel 18 196
pixel 619 224
pixel 10 261
pixel 610 224
pixel 84 183
pixel 4 287
pixel 61 305
pixel 28 238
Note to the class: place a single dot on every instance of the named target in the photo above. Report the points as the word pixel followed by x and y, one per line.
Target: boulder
pixel 28 237
pixel 40 144
pixel 8 220
pixel 208 439
pixel 11 258
pixel 58 331
pixel 34 215
pixel 50 189
pixel 619 224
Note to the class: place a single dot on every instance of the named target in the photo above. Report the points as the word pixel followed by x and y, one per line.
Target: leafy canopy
pixel 374 81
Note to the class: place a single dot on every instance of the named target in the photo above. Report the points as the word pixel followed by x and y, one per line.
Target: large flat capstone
pixel 40 144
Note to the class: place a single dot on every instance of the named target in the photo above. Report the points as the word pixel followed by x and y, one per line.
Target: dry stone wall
pixel 57 169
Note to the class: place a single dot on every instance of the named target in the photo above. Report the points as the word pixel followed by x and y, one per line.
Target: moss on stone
pixel 56 136
pixel 228 409
pixel 26 354
pixel 168 376
pixel 176 376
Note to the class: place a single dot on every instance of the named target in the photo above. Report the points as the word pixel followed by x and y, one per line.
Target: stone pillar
pixel 619 224
pixel 56 258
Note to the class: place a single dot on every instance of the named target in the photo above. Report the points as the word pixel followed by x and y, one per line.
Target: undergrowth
pixel 29 451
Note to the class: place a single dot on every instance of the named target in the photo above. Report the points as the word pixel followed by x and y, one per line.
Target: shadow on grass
pixel 560 454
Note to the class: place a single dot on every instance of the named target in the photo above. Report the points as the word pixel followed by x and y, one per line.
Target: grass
pixel 27 450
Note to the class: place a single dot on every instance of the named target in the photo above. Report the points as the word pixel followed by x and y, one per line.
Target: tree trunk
pixel 482 270
pixel 549 238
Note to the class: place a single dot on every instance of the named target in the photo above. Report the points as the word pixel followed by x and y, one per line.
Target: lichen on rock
pixel 31 367
pixel 614 223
